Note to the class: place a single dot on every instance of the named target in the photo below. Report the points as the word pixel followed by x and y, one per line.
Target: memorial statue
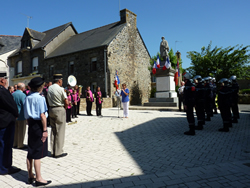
pixel 164 49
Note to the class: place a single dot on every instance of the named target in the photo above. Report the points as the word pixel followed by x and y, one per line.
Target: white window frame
pixel 35 64
pixel 19 67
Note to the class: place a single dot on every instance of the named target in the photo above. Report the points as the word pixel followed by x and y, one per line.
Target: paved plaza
pixel 148 149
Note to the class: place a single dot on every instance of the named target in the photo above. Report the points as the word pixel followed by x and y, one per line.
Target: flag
pixel 176 77
pixel 158 62
pixel 167 64
pixel 117 78
pixel 154 68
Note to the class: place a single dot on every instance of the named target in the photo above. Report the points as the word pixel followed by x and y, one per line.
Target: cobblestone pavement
pixel 148 149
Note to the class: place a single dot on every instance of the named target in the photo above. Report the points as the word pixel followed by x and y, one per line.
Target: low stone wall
pixel 244 98
pixel 107 103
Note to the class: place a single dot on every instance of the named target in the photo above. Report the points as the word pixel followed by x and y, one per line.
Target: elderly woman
pixel 125 100
pixel 35 111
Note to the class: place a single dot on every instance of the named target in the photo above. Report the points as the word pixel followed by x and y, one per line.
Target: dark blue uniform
pixel 189 102
pixel 208 101
pixel 235 97
pixel 214 90
pixel 224 103
pixel 200 105
pixel 8 115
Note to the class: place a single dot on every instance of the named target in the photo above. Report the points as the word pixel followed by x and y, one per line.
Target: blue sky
pixel 193 22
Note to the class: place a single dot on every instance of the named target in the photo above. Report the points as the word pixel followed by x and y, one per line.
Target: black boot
pixel 225 128
pixel 215 111
pixel 235 120
pixel 191 130
pixel 199 126
pixel 208 118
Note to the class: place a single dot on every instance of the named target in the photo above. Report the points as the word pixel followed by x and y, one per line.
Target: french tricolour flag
pixel 154 68
pixel 167 64
pixel 117 78
pixel 158 62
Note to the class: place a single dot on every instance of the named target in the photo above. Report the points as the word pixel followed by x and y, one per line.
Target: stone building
pixel 92 56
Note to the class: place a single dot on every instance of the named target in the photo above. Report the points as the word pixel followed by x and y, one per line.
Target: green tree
pixel 219 62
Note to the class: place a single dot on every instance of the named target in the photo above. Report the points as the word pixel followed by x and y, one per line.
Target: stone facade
pixel 126 53
pixel 129 56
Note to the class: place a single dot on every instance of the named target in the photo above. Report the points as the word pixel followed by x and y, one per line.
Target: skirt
pixel 36 148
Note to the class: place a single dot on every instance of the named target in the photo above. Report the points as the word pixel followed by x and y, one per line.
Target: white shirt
pixel 181 89
pixel 56 95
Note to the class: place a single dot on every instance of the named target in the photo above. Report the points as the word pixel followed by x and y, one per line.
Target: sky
pixel 187 25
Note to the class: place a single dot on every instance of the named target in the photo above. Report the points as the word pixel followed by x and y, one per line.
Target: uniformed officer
pixel 189 102
pixel 224 102
pixel 8 115
pixel 235 97
pixel 199 102
pixel 214 90
pixel 208 98
pixel 58 102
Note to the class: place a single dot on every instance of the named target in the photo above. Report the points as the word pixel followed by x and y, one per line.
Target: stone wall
pixel 82 67
pixel 129 56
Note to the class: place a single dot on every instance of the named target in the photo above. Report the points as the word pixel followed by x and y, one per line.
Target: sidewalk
pixel 148 149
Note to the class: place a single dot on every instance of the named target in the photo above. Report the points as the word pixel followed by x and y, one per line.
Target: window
pixel 93 87
pixel 93 64
pixel 71 67
pixel 51 70
pixel 19 67
pixel 35 64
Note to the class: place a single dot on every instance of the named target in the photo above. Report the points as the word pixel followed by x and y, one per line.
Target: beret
pixel 36 82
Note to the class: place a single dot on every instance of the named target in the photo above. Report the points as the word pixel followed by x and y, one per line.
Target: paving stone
pixel 148 147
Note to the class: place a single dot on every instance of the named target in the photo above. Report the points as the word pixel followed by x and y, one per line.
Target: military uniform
pixel 200 105
pixel 189 102
pixel 235 97
pixel 8 115
pixel 224 102
pixel 214 90
pixel 208 101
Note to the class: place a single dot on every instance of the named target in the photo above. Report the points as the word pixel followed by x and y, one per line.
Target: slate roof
pixel 98 37
pixel 51 34
pixel 36 34
pixel 9 43
pixel 45 37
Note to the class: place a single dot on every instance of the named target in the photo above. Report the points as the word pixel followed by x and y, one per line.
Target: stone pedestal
pixel 165 89
pixel 165 85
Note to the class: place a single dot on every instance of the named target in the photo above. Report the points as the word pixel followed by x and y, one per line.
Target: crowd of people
pixel 200 93
pixel 40 105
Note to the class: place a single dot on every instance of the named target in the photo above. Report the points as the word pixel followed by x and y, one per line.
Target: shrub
pixel 244 91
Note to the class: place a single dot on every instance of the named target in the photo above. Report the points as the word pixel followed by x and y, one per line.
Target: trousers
pixel 20 129
pixel 125 109
pixel 6 144
pixel 58 125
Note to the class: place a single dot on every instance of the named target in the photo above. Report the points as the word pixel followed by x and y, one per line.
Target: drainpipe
pixel 105 69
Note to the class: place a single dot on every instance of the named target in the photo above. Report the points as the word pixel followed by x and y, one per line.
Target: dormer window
pixel 35 64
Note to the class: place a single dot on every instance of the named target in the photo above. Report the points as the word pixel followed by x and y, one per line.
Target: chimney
pixel 128 17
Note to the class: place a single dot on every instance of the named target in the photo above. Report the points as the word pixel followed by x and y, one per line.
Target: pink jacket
pixel 75 97
pixel 69 99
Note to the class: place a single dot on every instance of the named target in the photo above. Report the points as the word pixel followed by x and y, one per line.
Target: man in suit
pixel 8 115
